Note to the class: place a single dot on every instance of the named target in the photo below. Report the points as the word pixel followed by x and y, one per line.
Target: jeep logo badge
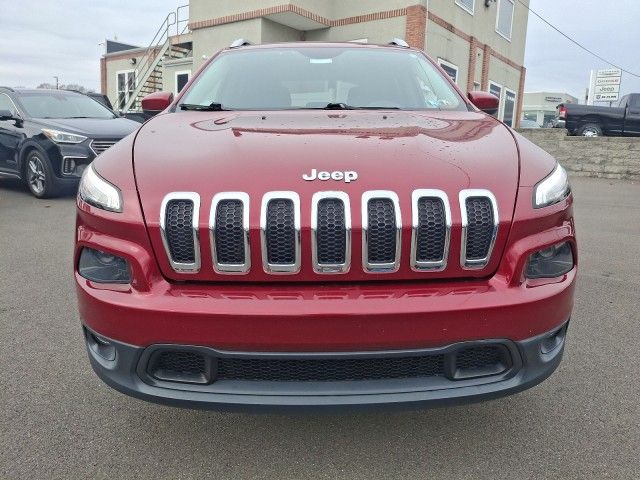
pixel 347 176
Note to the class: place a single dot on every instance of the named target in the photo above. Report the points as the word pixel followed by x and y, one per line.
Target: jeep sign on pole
pixel 605 85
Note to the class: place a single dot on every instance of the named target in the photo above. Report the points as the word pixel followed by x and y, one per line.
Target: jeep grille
pixel 331 243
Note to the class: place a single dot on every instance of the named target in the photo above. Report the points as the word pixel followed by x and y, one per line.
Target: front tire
pixel 39 175
pixel 591 130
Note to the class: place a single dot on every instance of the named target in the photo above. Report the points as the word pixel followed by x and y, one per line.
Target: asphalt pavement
pixel 58 420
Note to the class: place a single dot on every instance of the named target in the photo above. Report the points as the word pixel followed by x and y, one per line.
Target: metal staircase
pixel 163 46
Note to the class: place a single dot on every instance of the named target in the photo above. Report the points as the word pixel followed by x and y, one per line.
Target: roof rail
pixel 240 42
pixel 7 88
pixel 398 42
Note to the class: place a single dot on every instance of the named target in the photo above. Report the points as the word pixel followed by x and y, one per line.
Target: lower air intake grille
pixel 480 227
pixel 281 232
pixel 431 231
pixel 478 361
pixel 207 366
pixel 180 366
pixel 327 370
pixel 179 230
pixel 478 357
pixel 229 232
pixel 331 235
pixel 382 231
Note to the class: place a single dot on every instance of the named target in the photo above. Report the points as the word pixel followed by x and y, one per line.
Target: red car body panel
pixel 270 151
pixel 259 152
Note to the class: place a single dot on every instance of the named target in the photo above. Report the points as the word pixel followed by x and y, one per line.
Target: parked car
pixel 323 225
pixel 48 137
pixel 101 99
pixel 524 123
pixel 139 117
pixel 623 119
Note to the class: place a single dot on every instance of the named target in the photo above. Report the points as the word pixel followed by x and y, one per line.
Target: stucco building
pixel 480 43
pixel 541 107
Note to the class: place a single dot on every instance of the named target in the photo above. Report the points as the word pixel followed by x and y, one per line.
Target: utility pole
pixel 57 86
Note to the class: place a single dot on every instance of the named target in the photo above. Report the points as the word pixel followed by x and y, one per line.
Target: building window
pixel 450 69
pixel 508 115
pixel 548 119
pixel 495 89
pixel 181 80
pixel 504 21
pixel 126 84
pixel 467 5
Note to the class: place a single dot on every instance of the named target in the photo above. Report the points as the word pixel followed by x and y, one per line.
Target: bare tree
pixel 70 86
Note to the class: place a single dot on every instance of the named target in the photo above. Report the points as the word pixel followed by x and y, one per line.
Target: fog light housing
pixel 102 267
pixel 100 346
pixel 550 262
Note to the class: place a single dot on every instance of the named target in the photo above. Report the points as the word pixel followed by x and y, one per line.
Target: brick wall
pixel 604 157
pixel 416 26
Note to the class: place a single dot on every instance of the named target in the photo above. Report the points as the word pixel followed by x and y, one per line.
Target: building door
pixel 508 114
pixel 126 84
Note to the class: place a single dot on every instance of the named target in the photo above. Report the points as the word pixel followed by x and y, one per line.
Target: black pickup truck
pixel 622 119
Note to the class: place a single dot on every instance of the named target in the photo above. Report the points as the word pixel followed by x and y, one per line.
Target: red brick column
pixel 523 75
pixel 486 60
pixel 473 56
pixel 103 75
pixel 416 26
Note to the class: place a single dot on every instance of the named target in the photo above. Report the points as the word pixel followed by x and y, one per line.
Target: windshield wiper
pixel 212 107
pixel 344 106
pixel 338 106
pixel 377 108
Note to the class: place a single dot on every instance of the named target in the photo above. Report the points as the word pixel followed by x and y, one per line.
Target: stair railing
pixel 148 60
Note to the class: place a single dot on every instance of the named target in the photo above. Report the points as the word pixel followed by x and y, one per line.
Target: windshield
pixel 62 105
pixel 315 77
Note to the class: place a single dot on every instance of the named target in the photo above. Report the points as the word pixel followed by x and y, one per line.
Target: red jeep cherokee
pixel 324 225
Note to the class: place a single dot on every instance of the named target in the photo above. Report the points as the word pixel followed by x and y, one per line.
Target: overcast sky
pixel 40 39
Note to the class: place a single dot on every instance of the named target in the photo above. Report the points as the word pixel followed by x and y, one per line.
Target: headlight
pixel 96 191
pixel 63 137
pixel 551 262
pixel 552 189
pixel 103 267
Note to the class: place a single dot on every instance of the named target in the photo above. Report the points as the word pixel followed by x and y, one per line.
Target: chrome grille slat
pixel 480 222
pixel 229 233
pixel 431 232
pixel 99 146
pixel 179 217
pixel 280 232
pixel 381 231
pixel 331 232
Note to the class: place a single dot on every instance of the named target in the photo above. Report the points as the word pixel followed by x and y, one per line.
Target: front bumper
pixel 126 368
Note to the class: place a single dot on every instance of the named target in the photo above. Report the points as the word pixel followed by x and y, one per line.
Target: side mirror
pixel 156 102
pixel 6 115
pixel 485 101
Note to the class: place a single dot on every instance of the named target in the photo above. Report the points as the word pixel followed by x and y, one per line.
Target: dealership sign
pixel 607 89
pixel 605 85
pixel 608 81
pixel 605 97
pixel 610 72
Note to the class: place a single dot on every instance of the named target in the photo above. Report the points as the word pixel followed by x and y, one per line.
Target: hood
pixel 92 127
pixel 255 153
